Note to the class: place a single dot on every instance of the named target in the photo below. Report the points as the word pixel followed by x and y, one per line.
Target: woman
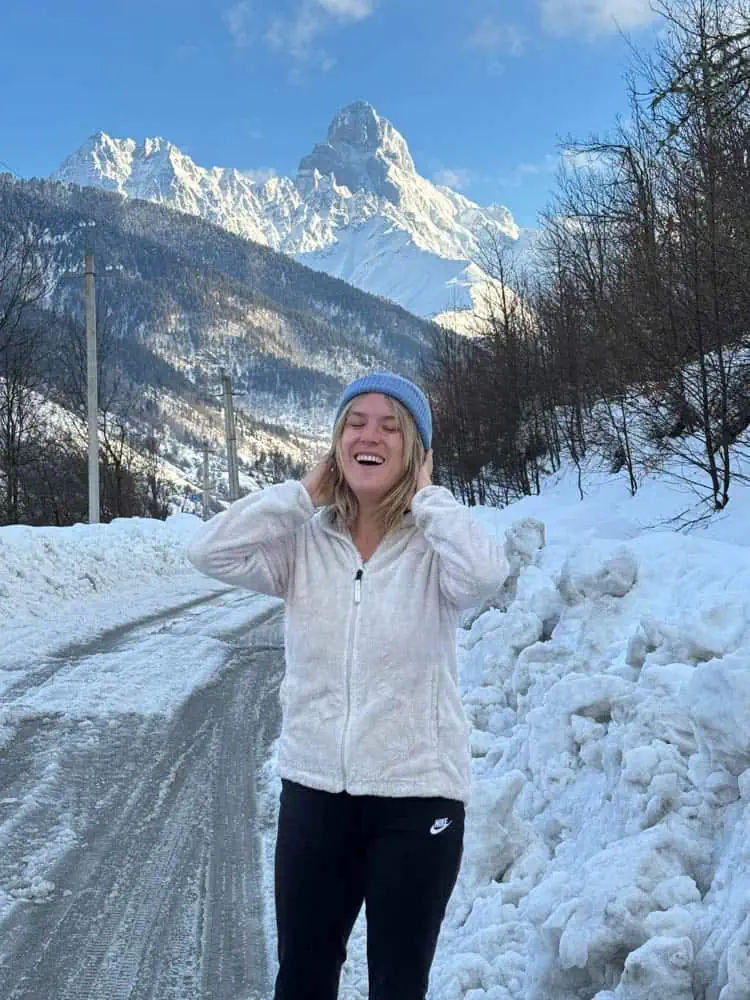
pixel 374 752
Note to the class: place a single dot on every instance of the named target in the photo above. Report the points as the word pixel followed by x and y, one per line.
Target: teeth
pixel 376 459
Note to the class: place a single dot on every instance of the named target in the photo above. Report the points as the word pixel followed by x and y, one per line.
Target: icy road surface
pixel 155 890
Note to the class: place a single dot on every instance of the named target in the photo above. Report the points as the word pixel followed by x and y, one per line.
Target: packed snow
pixel 607 853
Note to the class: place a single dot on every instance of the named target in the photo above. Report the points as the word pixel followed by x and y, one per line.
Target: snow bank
pixel 607 855
pixel 60 587
pixel 44 569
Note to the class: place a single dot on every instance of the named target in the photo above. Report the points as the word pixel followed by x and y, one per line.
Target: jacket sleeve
pixel 472 564
pixel 252 544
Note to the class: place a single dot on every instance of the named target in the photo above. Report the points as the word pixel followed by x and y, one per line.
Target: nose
pixel 370 433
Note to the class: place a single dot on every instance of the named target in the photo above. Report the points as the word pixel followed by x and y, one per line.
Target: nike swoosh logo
pixel 439 825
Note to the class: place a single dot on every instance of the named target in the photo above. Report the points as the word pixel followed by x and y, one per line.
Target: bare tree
pixel 20 416
pixel 24 268
pixel 721 44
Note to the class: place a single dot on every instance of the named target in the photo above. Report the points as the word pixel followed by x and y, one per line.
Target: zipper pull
pixel 358 587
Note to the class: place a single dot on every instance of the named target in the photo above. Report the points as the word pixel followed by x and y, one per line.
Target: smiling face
pixel 371 447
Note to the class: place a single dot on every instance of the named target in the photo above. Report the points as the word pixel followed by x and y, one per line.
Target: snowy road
pixel 156 889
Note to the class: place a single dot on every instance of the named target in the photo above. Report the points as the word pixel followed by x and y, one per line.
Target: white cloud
pixel 238 18
pixel 547 165
pixel 297 36
pixel 592 18
pixel 453 177
pixel 584 159
pixel 496 38
pixel 355 10
pixel 251 127
pixel 260 174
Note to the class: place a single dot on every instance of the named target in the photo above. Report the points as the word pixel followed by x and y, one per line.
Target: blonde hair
pixel 391 509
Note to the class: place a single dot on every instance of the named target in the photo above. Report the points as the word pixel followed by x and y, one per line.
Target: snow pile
pixel 44 569
pixel 64 586
pixel 607 854
pixel 608 689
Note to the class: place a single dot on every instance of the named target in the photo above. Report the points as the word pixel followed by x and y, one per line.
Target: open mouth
pixel 367 459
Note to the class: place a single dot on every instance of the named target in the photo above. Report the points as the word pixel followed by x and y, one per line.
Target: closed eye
pixel 388 428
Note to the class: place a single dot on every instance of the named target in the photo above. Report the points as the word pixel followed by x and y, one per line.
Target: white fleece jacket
pixel 370 697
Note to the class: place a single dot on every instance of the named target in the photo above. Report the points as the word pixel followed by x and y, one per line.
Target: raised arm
pixel 472 563
pixel 252 544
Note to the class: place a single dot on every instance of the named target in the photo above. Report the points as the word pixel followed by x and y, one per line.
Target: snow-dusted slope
pixel 357 208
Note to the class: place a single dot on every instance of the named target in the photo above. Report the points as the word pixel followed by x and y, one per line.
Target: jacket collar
pixel 330 527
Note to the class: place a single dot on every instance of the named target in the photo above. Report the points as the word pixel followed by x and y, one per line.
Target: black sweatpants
pixel 400 856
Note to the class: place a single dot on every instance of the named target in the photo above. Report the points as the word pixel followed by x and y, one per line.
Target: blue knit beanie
pixel 400 388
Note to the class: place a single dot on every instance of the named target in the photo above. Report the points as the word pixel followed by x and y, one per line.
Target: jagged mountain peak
pixel 101 160
pixel 359 128
pixel 103 140
pixel 116 164
pixel 357 208
pixel 362 150
pixel 151 145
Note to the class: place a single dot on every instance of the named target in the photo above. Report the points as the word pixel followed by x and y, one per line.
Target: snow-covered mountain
pixel 357 208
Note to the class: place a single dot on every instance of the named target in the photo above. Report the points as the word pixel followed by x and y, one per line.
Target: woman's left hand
pixel 424 476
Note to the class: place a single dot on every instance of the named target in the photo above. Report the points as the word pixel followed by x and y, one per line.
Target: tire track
pixel 160 896
pixel 107 640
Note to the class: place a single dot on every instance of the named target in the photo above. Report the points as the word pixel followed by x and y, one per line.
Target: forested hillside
pixel 631 340
pixel 178 299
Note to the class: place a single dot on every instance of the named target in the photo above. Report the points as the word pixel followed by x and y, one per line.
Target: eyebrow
pixel 361 413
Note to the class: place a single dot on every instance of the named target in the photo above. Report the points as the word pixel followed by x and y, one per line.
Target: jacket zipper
pixel 349 658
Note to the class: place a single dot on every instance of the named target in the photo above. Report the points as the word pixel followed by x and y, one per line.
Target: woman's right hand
pixel 319 481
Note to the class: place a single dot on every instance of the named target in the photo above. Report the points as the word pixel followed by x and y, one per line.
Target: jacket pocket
pixel 394 731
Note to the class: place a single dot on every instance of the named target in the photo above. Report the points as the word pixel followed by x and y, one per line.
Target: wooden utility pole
pixel 230 435
pixel 206 499
pixel 93 389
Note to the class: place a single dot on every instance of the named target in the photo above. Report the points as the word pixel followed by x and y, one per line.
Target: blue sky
pixel 483 90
